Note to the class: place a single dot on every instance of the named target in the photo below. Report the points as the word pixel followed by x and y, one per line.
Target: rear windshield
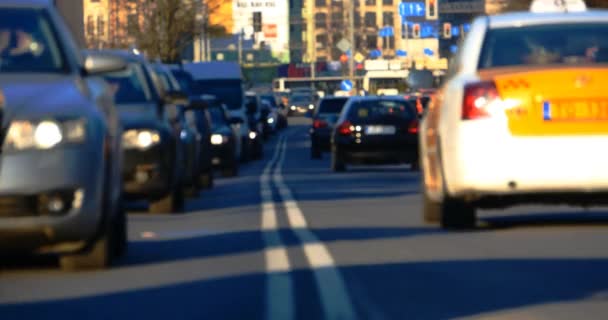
pixel 332 106
pixel 565 44
pixel 130 85
pixel 377 109
pixel 271 100
pixel 229 91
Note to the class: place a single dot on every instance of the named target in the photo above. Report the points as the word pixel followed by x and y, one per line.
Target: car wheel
pixel 206 180
pixel 337 164
pixel 457 214
pixel 97 257
pixel 171 203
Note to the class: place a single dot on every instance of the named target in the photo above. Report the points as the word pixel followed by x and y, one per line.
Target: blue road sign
pixel 346 85
pixel 428 52
pixel 401 53
pixel 412 9
pixel 453 48
pixel 455 31
pixel 375 53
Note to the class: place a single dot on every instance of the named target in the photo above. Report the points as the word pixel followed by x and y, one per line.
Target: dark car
pixel 278 109
pixel 194 138
pixel 61 157
pixel 375 130
pixel 301 103
pixel 153 159
pixel 256 121
pixel 323 120
pixel 224 139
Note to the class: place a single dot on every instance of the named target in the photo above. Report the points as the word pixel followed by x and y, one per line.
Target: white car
pixel 522 117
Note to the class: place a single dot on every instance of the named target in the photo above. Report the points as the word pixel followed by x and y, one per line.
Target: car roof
pixel 518 19
pixel 214 70
pixel 26 3
pixel 124 54
pixel 373 98
pixel 334 98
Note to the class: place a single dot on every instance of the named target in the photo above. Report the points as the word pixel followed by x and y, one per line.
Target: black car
pixel 153 159
pixel 278 109
pixel 257 121
pixel 60 191
pixel 224 139
pixel 301 103
pixel 323 120
pixel 375 130
pixel 194 137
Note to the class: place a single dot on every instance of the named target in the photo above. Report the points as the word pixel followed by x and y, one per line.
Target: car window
pixel 28 42
pixel 299 99
pixel 217 115
pixel 129 85
pixel 184 80
pixel 270 100
pixel 565 44
pixel 331 106
pixel 376 109
pixel 229 91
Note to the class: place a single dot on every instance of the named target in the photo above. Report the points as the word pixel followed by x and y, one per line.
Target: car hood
pixel 138 115
pixel 222 129
pixel 40 96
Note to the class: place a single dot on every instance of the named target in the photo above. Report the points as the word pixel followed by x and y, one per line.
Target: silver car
pixel 60 183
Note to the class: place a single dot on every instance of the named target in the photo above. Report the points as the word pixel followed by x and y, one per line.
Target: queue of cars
pixel 84 131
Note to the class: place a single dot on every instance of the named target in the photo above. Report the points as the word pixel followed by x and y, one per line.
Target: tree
pixel 167 27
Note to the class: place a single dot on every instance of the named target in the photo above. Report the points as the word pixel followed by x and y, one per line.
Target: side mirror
pixel 235 120
pixel 96 64
pixel 176 97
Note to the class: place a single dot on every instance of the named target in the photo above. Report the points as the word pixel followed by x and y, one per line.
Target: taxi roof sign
pixel 546 6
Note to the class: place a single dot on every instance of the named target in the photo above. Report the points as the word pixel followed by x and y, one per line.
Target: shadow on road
pixel 546 219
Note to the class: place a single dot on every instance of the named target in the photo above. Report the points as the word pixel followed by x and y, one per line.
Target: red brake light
pixel 413 127
pixel 345 128
pixel 319 124
pixel 477 97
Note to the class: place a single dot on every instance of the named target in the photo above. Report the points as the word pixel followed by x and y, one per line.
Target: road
pixel 288 239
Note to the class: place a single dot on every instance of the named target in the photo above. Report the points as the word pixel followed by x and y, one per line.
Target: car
pixel 300 104
pixel 224 138
pixel 60 191
pixel 277 112
pixel 195 139
pixel 323 120
pixel 153 166
pixel 521 118
pixel 375 129
pixel 225 81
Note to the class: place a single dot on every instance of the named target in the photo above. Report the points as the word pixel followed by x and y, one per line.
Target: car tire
pixel 337 164
pixel 171 203
pixel 457 214
pixel 206 180
pixel 98 256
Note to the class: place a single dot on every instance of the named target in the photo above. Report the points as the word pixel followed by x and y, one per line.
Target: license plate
pixel 378 130
pixel 575 110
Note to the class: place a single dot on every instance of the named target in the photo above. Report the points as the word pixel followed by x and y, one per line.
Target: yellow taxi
pixel 522 117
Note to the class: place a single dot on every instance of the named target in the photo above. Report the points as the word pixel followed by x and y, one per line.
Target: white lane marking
pixel 279 286
pixel 334 296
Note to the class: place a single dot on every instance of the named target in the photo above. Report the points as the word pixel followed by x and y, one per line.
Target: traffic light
pixel 447 30
pixel 257 21
pixel 416 31
pixel 432 12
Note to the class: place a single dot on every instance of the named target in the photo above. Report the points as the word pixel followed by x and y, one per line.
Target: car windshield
pixel 376 109
pixel 168 81
pixel 129 85
pixel 331 106
pixel 184 80
pixel 563 44
pixel 28 42
pixel 300 99
pixel 229 91
pixel 217 114
pixel 270 100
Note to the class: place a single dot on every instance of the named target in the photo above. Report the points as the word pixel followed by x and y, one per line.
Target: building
pixel 107 23
pixel 297 27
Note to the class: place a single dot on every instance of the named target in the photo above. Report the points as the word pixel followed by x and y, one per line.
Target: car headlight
pixel 270 120
pixel 311 106
pixel 140 139
pixel 293 107
pixel 252 135
pixel 45 134
pixel 217 139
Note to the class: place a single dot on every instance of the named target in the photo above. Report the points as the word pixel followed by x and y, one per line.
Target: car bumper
pixel 30 180
pixel 321 139
pixel 148 174
pixel 499 165
pixel 402 154
pixel 222 155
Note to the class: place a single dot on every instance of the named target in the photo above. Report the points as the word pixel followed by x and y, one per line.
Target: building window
pixel 101 26
pixel 90 25
pixel 320 20
pixel 337 20
pixel 370 2
pixel 370 20
pixel 372 42
pixel 387 19
pixel 321 41
pixel 320 3
pixel 387 2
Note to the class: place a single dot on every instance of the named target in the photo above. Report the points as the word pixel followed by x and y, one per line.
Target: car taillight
pixel 477 98
pixel 319 124
pixel 345 128
pixel 413 127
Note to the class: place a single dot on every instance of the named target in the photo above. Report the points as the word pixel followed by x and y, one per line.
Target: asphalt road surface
pixel 288 239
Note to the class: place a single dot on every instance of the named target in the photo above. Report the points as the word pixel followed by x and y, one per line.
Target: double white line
pixel 280 288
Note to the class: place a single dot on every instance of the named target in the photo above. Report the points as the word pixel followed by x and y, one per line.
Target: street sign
pixel 346 85
pixel 428 52
pixel 359 57
pixel 401 53
pixel 412 9
pixel 343 45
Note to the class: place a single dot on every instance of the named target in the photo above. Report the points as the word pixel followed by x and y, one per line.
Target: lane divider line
pixel 335 300
pixel 279 286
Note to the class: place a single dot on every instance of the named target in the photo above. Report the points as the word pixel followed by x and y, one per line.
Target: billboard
pixel 275 22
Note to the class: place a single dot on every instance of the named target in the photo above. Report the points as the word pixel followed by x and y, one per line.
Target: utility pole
pixel 351 30
pixel 240 46
pixel 311 40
